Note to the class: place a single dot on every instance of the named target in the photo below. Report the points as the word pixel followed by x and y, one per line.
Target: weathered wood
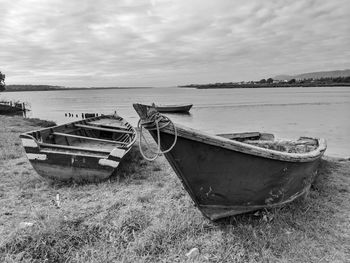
pixel 50 151
pixel 226 177
pixel 88 158
pixel 200 136
pixel 87 138
pixel 239 135
pixel 107 125
pixel 68 147
pixel 102 129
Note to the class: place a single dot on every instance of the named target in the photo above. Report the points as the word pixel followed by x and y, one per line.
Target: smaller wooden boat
pixel 84 150
pixel 176 108
pixel 230 174
pixel 9 107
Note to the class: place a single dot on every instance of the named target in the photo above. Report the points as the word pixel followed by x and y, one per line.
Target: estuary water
pixel 286 112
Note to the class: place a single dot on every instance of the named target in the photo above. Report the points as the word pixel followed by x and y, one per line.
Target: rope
pixel 155 118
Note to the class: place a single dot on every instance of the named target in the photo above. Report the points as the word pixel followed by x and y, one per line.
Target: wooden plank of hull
pixel 62 166
pixel 224 182
pixel 214 212
pixel 67 173
pixel 67 147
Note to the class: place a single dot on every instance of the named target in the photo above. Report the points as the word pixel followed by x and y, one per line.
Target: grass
pixel 10 128
pixel 143 214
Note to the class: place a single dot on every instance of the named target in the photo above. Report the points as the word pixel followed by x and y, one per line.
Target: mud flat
pixel 144 215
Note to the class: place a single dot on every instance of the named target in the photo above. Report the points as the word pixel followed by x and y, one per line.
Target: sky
pixel 169 42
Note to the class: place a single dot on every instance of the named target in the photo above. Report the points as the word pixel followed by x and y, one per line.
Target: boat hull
pixel 88 150
pixel 67 167
pixel 223 182
pixel 8 109
pixel 174 108
pixel 70 173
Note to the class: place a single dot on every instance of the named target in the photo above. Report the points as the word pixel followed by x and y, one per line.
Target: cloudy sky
pixel 169 42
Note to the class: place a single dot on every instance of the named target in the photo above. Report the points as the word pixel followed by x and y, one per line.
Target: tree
pixel 292 81
pixel 262 81
pixel 2 81
pixel 269 80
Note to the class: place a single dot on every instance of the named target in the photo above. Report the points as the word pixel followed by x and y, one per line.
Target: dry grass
pixel 142 214
pixel 10 128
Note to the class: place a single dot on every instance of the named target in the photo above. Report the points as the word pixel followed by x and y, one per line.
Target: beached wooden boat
pixel 230 174
pixel 84 150
pixel 9 107
pixel 176 108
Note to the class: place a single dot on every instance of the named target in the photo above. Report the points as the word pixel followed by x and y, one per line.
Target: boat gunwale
pixel 207 138
pixel 27 135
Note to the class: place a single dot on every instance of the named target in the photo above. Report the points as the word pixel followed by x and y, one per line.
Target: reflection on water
pixel 287 112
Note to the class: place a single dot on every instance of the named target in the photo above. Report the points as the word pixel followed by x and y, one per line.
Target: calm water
pixel 286 112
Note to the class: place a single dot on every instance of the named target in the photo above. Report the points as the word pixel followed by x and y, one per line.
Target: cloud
pixel 125 43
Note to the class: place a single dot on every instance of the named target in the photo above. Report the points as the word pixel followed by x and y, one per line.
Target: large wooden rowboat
pixel 176 108
pixel 84 150
pixel 231 174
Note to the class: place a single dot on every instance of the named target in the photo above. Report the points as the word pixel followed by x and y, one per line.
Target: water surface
pixel 286 112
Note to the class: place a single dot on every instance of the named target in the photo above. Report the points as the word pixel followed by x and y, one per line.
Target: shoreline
pixel 66 88
pixel 144 212
pixel 259 86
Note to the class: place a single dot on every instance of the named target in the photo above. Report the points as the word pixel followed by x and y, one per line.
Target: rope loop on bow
pixel 155 121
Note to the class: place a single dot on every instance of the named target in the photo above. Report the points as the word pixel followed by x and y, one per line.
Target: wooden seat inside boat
pixel 82 139
pixel 93 127
pixel 88 138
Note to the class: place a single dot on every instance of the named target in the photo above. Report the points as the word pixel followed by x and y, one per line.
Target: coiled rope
pixel 154 120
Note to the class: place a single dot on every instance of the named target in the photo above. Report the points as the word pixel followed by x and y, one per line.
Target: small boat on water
pixel 230 174
pixel 84 150
pixel 176 108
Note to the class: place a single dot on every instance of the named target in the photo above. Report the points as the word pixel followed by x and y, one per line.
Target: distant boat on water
pixel 231 174
pixel 85 150
pixel 174 108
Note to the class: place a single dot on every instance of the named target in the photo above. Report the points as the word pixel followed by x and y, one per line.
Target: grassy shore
pixel 144 215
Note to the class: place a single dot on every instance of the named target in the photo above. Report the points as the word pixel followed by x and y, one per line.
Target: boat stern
pixel 32 148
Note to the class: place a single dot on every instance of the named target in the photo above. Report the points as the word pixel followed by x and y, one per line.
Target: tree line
pixel 2 81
